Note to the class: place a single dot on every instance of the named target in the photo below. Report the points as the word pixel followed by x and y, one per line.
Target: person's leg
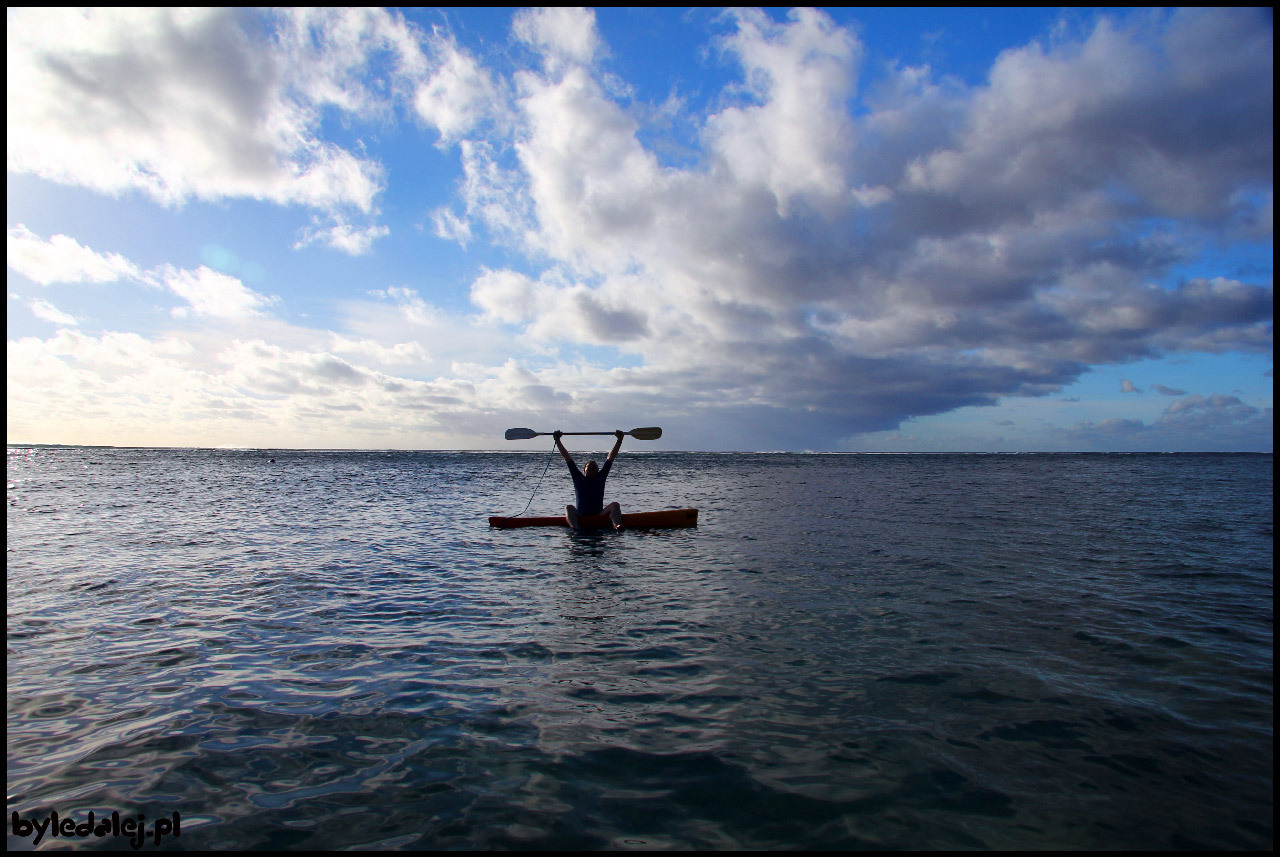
pixel 615 515
pixel 571 515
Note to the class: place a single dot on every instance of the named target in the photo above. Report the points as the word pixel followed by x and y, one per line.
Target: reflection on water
pixel 849 651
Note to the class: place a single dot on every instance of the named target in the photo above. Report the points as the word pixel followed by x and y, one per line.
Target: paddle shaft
pixel 567 433
pixel 650 433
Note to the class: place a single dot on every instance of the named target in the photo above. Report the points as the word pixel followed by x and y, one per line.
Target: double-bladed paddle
pixel 650 433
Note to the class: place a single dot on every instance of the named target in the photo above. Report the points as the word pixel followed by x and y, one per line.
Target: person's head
pixel 591 469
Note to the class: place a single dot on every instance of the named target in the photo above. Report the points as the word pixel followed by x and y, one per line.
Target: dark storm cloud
pixel 940 247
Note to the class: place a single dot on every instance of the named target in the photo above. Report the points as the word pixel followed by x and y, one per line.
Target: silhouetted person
pixel 588 486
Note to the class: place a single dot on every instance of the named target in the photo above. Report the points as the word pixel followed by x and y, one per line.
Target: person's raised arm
pixel 560 446
pixel 613 453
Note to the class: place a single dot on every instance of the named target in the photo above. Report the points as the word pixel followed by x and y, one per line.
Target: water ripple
pixel 956 652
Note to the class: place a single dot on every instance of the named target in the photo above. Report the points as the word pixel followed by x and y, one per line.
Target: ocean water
pixel 334 650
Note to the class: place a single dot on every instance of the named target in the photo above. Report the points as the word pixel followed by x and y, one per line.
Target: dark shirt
pixel 589 491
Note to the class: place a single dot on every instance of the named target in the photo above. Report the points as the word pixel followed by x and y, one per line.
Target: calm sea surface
pixel 334 650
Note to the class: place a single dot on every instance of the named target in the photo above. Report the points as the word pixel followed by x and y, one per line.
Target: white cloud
pixel 458 95
pixel 125 388
pixel 42 309
pixel 411 306
pixel 352 240
pixel 492 194
pixel 450 226
pixel 798 140
pixel 270 370
pixel 946 248
pixel 561 312
pixel 1138 105
pixel 507 296
pixel 565 34
pixel 186 104
pixel 400 353
pixel 210 293
pixel 593 187
pixel 1216 404
pixel 62 259
pixel 1196 423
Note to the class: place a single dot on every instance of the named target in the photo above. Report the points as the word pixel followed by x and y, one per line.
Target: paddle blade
pixel 521 434
pixel 651 433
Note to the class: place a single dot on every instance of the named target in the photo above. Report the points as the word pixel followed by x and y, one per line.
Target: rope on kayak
pixel 539 485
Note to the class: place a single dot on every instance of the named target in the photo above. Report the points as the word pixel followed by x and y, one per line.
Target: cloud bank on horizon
pixel 802 250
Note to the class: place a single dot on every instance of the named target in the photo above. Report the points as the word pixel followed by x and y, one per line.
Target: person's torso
pixel 589 490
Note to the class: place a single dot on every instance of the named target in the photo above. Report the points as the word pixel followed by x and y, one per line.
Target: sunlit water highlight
pixel 946 651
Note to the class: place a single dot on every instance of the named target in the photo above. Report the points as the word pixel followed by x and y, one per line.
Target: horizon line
pixel 19 445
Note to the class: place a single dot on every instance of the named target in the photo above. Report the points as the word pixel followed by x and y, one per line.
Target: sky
pixel 977 230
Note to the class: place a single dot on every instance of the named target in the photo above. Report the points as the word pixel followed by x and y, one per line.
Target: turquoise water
pixel 921 651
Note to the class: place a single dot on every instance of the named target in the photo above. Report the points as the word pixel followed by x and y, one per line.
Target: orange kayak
pixel 668 518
